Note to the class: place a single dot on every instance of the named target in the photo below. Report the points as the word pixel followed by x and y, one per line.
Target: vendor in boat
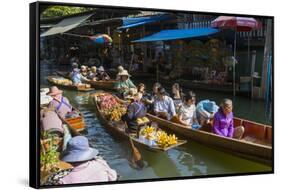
pixel 49 121
pixel 223 122
pixel 120 68
pixel 155 88
pixel 205 111
pixel 187 111
pixel 59 104
pixel 76 77
pixel 124 84
pixel 177 95
pixel 88 167
pixel 92 75
pixel 135 110
pixel 102 75
pixel 164 106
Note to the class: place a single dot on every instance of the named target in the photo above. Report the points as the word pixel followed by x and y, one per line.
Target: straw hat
pixel 53 90
pixel 78 150
pixel 124 73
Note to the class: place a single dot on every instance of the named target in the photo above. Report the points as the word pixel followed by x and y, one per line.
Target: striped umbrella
pixel 240 24
pixel 101 38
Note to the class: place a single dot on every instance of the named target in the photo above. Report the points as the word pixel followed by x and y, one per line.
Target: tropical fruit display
pixel 111 108
pixel 115 112
pixel 161 138
pixel 164 140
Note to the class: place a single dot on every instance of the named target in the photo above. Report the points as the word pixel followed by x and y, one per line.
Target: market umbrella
pixel 101 38
pixel 240 24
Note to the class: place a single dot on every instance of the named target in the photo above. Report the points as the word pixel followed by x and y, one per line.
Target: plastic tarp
pixel 132 22
pixel 66 25
pixel 175 34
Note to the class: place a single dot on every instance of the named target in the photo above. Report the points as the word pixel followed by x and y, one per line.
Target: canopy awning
pixel 66 25
pixel 178 34
pixel 132 22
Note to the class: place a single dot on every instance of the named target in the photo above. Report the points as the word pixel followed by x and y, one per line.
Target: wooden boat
pixel 256 143
pixel 119 127
pixel 54 80
pixel 106 85
pixel 75 124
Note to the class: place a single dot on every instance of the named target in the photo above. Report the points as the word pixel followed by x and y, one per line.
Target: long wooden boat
pixel 76 124
pixel 119 129
pixel 105 85
pixel 83 88
pixel 256 143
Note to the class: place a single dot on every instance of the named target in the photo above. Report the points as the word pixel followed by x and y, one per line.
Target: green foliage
pixel 57 11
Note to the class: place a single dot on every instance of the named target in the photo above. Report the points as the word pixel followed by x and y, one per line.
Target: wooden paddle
pixel 136 153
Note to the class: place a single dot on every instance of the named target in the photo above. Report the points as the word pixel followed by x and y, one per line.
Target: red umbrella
pixel 240 24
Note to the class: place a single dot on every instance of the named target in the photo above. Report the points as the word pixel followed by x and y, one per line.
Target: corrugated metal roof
pixel 66 25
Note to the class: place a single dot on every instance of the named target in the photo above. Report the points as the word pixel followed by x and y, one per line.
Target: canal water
pixel 191 159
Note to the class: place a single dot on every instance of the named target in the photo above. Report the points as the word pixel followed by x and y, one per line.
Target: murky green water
pixel 191 159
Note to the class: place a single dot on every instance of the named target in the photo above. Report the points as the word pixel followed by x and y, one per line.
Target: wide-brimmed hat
pixel 211 107
pixel 101 68
pixel 53 90
pixel 78 150
pixel 124 73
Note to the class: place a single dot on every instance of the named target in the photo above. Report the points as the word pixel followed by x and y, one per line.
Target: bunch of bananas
pixel 148 132
pixel 115 112
pixel 164 140
pixel 142 120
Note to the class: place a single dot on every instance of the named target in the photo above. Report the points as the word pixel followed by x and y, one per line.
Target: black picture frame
pixel 34 109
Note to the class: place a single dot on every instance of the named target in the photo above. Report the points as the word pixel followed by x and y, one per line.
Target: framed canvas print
pixel 120 94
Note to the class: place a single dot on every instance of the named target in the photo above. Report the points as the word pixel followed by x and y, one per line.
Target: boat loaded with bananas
pixel 110 109
pixel 67 84
pixel 256 143
pixel 105 84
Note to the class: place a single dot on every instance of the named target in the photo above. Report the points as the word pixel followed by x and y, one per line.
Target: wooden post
pixel 144 49
pixel 266 56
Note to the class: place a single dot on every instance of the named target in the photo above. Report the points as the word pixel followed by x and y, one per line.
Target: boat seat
pixel 254 130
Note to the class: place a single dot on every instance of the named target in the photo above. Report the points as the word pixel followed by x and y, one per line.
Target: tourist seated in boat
pixel 92 75
pixel 59 104
pixel 177 95
pixel 87 166
pixel 120 68
pixel 223 124
pixel 124 84
pixel 155 88
pixel 164 105
pixel 187 111
pixel 102 75
pixel 135 110
pixel 76 77
pixel 84 71
pixel 205 111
